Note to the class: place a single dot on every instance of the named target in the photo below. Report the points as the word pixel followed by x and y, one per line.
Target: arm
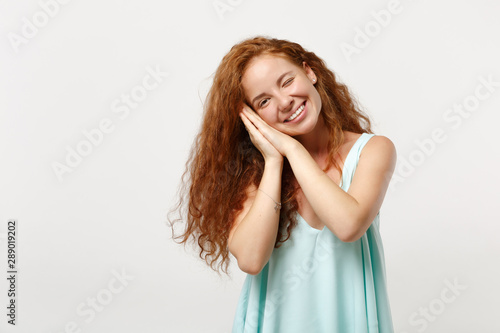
pixel 347 214
pixel 253 235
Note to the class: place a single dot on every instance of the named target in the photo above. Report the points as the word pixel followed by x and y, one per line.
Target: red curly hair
pixel 223 161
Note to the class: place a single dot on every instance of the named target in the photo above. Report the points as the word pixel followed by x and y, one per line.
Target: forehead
pixel 264 68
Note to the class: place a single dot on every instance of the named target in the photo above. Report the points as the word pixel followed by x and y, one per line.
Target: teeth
pixel 296 113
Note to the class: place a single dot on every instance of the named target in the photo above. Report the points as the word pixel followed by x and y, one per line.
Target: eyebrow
pixel 277 83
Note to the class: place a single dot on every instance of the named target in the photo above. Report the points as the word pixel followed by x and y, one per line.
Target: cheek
pixel 264 116
pixel 271 120
pixel 317 99
pixel 268 114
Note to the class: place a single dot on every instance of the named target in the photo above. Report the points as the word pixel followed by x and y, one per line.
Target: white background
pixel 439 221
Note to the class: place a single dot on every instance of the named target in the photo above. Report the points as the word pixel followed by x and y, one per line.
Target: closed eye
pixel 287 82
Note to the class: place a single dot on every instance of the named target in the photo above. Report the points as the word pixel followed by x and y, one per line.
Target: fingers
pixel 245 121
pixel 249 126
pixel 252 116
pixel 257 123
pixel 258 139
pixel 254 132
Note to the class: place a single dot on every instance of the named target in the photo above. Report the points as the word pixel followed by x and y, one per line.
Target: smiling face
pixel 282 94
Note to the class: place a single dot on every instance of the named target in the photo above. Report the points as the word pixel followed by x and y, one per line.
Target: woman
pixel 273 182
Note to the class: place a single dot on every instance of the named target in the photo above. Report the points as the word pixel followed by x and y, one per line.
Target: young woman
pixel 287 176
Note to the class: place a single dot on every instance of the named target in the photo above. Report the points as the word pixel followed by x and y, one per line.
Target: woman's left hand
pixel 281 141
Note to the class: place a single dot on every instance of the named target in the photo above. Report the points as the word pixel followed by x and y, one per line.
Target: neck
pixel 316 141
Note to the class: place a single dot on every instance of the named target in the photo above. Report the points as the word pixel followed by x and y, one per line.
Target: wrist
pixel 291 147
pixel 278 160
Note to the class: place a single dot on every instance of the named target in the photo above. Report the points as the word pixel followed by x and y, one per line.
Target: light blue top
pixel 315 283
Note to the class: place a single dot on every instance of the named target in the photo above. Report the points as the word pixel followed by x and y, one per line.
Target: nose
pixel 285 102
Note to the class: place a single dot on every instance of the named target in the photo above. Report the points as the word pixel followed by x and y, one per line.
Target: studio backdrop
pixel 100 103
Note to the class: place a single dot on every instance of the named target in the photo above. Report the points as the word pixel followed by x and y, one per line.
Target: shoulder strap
pixel 362 140
pixel 353 158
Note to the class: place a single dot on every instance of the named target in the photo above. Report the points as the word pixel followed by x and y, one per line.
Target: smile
pixel 296 113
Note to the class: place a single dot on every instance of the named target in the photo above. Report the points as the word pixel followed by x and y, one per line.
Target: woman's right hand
pixel 268 151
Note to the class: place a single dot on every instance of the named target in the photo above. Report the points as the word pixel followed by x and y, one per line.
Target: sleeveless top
pixel 315 283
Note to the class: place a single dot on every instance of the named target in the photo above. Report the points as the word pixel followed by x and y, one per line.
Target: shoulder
pixel 377 143
pixel 381 144
pixel 379 150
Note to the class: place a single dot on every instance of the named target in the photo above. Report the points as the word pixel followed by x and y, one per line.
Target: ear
pixel 309 72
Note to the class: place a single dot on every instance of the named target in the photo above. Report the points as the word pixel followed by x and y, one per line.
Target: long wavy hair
pixel 223 162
